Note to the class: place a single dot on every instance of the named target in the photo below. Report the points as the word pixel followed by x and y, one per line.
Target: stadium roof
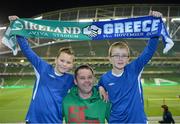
pixel 171 13
pixel 27 9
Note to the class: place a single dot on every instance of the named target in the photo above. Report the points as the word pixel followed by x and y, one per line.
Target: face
pixel 119 58
pixel 84 81
pixel 64 62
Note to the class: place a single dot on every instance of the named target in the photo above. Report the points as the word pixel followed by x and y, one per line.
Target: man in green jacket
pixel 83 103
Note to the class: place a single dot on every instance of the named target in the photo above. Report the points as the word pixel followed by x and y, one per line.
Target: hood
pixel 95 96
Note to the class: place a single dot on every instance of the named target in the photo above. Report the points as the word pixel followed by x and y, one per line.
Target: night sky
pixel 29 8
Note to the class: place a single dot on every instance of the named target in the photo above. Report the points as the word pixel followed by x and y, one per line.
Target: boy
pixel 51 86
pixel 123 82
pixel 83 104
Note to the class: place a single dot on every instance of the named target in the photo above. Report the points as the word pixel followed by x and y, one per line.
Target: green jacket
pixel 91 110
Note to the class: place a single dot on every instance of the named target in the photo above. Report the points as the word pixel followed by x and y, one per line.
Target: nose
pixel 64 64
pixel 87 81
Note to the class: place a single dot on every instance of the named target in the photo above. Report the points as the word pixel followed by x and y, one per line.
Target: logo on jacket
pixel 111 84
pixel 76 114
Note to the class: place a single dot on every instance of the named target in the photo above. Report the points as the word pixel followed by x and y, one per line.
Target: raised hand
pixel 13 17
pixel 155 13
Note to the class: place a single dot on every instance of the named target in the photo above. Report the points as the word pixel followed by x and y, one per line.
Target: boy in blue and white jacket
pixel 123 82
pixel 52 83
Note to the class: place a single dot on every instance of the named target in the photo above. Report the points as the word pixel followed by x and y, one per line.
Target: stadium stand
pixel 95 52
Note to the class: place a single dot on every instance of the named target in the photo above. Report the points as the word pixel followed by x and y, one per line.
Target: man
pixel 83 103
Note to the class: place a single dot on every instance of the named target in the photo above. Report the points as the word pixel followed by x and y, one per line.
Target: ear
pixel 75 81
pixel 72 66
pixel 55 60
pixel 110 59
pixel 94 79
pixel 128 60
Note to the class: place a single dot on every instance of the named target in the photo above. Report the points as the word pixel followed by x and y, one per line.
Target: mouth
pixel 88 86
pixel 62 68
pixel 120 63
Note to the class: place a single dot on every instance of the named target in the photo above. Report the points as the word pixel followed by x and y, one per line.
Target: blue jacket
pixel 125 92
pixel 49 89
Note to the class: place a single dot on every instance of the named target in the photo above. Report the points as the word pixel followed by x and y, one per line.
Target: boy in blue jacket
pixel 123 82
pixel 52 83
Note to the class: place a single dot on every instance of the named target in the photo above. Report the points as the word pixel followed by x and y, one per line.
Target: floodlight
pixel 85 20
pixel 2 28
pixel 38 18
pixel 175 19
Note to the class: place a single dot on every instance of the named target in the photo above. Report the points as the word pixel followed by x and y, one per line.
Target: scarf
pixel 141 27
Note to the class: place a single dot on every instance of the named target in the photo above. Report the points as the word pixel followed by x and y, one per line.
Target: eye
pixel 69 62
pixel 82 78
pixel 124 56
pixel 90 77
pixel 61 60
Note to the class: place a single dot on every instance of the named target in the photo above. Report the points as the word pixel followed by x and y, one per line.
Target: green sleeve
pixel 108 110
pixel 63 109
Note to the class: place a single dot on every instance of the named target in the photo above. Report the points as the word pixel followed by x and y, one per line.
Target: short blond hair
pixel 121 45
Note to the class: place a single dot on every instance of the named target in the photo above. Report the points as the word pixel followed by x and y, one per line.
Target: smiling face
pixel 64 62
pixel 119 55
pixel 84 79
pixel 119 58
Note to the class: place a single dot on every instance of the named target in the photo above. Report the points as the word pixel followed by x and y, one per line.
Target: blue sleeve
pixel 34 59
pixel 147 54
pixel 100 83
pixel 71 84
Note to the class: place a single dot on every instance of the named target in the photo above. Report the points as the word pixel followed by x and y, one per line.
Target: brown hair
pixel 82 67
pixel 165 107
pixel 118 45
pixel 67 50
